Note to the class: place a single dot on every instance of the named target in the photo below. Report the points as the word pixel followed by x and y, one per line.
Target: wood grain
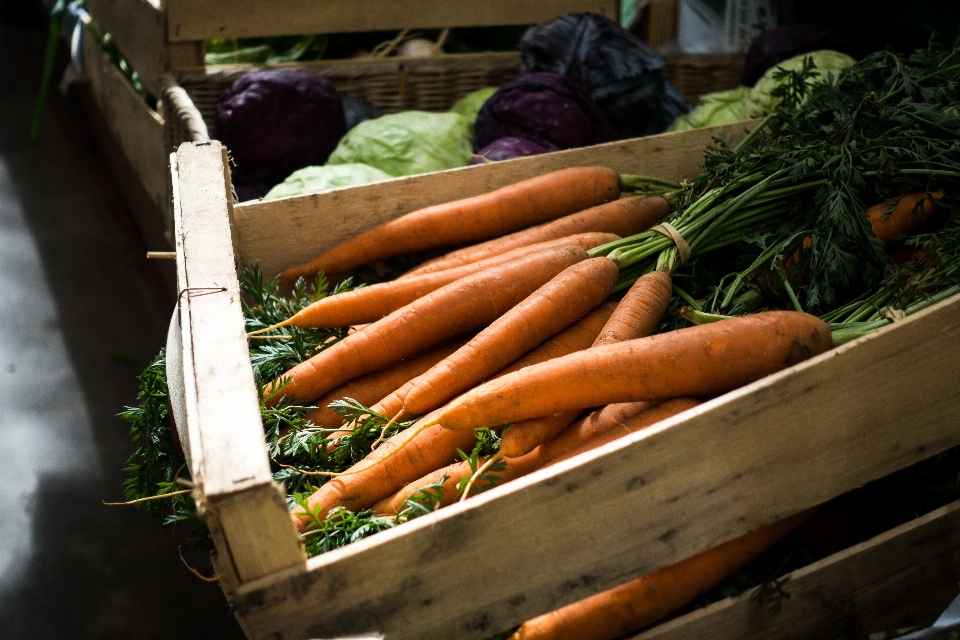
pixel 318 221
pixel 750 457
pixel 892 581
pixel 237 496
pixel 203 19
pixel 137 128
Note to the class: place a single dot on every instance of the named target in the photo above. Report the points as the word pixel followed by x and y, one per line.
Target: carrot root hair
pixel 476 474
pixel 253 334
pixel 383 432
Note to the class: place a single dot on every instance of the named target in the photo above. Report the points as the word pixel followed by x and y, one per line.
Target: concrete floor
pixel 78 321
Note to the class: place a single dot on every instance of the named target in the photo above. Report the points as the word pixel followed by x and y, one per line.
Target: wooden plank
pixel 136 127
pixel 203 19
pixel 319 221
pixel 184 55
pixel 750 457
pixel 238 499
pixel 137 28
pixel 891 581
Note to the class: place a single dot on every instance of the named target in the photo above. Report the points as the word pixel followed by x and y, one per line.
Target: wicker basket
pixel 392 84
pixel 696 74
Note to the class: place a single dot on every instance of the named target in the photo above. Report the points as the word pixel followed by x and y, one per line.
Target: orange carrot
pixel 382 472
pixel 594 430
pixel 452 476
pixel 609 423
pixel 907 216
pixel 695 361
pixel 526 435
pixel 507 209
pixel 639 603
pixel 637 316
pixel 640 311
pixel 572 339
pixel 566 298
pixel 373 386
pixel 468 303
pixel 369 304
pixel 579 336
pixel 624 217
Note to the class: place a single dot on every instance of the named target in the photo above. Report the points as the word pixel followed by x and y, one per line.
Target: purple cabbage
pixel 617 69
pixel 548 108
pixel 509 148
pixel 275 122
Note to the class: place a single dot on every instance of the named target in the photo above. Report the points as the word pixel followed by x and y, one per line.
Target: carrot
pixel 526 435
pixel 624 217
pixel 507 209
pixel 566 298
pixel 609 423
pixel 695 361
pixel 369 304
pixel 384 470
pixel 639 603
pixel 574 338
pixel 468 303
pixel 373 386
pixel 907 216
pixel 637 316
pixel 592 431
pixel 452 476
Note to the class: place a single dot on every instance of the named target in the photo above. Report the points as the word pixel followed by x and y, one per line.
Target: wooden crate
pixel 139 133
pixel 163 35
pixel 773 448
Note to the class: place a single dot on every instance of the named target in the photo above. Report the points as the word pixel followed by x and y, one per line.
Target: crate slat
pixel 137 128
pixel 891 581
pixel 245 510
pixel 203 19
pixel 139 29
pixel 319 221
pixel 755 455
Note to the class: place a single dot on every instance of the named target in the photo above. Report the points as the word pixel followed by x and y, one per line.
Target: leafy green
pixel 156 465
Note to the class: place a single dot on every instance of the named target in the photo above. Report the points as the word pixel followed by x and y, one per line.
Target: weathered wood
pixel 891 581
pixel 137 26
pixel 755 455
pixel 237 497
pixel 318 221
pixel 203 19
pixel 136 127
pixel 184 55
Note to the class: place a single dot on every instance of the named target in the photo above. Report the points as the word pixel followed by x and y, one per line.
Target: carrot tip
pixel 383 432
pixel 286 322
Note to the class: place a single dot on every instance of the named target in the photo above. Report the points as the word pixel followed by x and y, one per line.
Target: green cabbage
pixel 314 179
pixel 760 101
pixel 721 107
pixel 407 143
pixel 469 105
